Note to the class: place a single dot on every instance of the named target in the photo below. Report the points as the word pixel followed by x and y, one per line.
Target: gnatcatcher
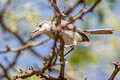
pixel 70 33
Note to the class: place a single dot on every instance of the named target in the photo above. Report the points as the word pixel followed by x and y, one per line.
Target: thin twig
pixel 115 72
pixel 26 46
pixel 77 3
pixel 6 28
pixel 61 75
pixel 84 11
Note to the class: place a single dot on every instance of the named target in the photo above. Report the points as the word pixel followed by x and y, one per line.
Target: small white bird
pixel 70 33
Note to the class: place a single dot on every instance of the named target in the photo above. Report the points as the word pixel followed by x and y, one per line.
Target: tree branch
pixel 115 72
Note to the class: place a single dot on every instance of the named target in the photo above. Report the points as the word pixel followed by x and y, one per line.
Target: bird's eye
pixel 40 26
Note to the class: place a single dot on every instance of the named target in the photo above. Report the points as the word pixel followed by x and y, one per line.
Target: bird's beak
pixel 35 33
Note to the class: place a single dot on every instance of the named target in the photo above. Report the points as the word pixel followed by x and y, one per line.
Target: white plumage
pixel 70 33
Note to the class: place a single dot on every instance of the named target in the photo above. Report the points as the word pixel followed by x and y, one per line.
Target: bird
pixel 71 34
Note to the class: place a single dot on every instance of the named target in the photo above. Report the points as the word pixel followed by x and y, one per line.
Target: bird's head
pixel 41 28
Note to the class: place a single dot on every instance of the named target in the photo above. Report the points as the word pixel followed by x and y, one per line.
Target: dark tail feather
pixel 85 38
pixel 99 31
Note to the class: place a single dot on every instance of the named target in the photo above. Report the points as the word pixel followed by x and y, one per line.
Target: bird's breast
pixel 68 39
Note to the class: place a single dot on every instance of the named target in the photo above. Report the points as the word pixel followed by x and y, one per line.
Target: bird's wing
pixel 73 28
pixel 83 34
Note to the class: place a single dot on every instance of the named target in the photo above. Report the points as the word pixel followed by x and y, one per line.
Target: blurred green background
pixel 93 60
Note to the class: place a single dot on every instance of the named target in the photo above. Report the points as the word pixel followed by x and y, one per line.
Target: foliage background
pixel 92 60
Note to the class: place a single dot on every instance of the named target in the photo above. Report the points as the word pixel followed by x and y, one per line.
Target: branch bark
pixel 116 70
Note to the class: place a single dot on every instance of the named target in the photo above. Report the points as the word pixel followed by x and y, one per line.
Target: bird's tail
pixel 99 31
